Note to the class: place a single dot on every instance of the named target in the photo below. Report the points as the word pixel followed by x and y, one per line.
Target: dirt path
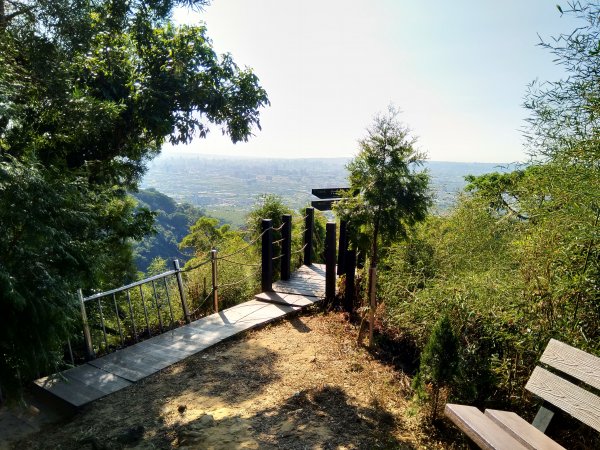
pixel 299 384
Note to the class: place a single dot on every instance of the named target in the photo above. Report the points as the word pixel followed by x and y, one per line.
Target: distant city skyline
pixel 457 70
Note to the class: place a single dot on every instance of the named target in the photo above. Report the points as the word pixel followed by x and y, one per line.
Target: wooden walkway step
pixel 307 280
pixel 115 371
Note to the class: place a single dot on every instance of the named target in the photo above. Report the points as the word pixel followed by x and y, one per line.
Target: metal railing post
pixel 286 246
pixel 330 261
pixel 186 312
pixel 267 256
pixel 215 287
pixel 342 248
pixel 350 272
pixel 87 337
pixel 70 353
pixel 308 235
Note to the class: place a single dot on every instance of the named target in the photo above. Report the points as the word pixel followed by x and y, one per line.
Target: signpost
pixel 328 197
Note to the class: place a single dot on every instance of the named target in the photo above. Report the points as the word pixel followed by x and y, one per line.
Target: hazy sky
pixel 457 69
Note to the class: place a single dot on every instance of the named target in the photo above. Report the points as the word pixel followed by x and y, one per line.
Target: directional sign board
pixel 329 192
pixel 323 205
pixel 328 195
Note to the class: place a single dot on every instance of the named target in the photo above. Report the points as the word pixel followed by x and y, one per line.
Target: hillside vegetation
pixel 171 223
pixel 517 261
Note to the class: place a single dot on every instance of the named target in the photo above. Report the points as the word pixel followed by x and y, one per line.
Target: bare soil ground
pixel 302 383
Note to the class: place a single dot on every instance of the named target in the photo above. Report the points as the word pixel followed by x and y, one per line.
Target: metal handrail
pixel 129 286
pixel 158 304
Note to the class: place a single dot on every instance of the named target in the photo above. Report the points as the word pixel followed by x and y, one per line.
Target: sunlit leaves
pixel 388 194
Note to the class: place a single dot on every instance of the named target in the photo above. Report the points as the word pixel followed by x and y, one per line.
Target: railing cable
pixel 298 251
pixel 202 303
pixel 240 281
pixel 200 264
pixel 240 263
pixel 247 246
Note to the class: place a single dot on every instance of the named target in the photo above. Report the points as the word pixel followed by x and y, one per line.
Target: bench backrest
pixel 569 397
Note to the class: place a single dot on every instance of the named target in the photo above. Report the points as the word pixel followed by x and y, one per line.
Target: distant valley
pixel 228 187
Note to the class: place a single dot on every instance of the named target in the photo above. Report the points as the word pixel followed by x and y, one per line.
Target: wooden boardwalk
pixel 115 371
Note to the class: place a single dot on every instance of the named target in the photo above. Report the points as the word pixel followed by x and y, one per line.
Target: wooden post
pixel 87 337
pixel 186 312
pixel 286 246
pixel 215 286
pixel 342 249
pixel 267 256
pixel 350 272
pixel 330 261
pixel 308 235
pixel 373 305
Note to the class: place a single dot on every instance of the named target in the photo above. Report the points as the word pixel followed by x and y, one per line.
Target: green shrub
pixel 439 360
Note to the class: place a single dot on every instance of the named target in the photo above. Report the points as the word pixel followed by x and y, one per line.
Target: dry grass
pixel 299 384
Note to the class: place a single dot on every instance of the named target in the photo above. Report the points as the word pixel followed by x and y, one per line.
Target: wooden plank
pixel 70 390
pixel 300 284
pixel 573 362
pixel 96 378
pixel 266 314
pixel 578 402
pixel 289 290
pixel 286 299
pixel 521 430
pixel 122 371
pixel 163 350
pixel 133 365
pixel 186 346
pixel 481 429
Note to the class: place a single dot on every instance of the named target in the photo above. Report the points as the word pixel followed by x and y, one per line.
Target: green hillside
pixel 171 225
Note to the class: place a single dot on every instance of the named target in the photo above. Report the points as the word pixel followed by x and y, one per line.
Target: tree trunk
pixel 2 19
pixel 371 295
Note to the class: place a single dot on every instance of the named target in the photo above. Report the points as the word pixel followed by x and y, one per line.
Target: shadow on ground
pixel 313 418
pixel 232 396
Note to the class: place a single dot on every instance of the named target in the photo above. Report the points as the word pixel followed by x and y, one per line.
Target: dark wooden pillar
pixel 286 246
pixel 350 272
pixel 330 261
pixel 267 256
pixel 308 236
pixel 342 249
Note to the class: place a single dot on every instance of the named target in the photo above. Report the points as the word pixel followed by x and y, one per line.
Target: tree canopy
pixel 392 194
pixel 89 92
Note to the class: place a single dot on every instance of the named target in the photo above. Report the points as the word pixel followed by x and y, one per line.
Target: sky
pixel 457 70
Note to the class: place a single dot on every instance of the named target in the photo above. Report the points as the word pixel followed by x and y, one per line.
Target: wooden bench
pixel 506 430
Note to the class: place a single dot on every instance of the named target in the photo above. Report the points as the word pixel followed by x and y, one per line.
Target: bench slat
pixel 481 429
pixel 573 362
pixel 522 430
pixel 578 402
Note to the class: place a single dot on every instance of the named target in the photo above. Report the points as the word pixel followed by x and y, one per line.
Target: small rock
pixel 206 420
pixel 287 428
pixel 181 408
